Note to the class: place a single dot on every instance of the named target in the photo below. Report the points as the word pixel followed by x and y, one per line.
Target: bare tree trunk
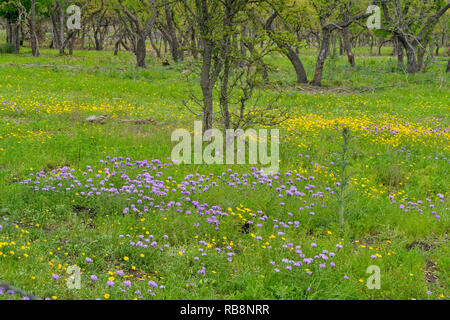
pixel 57 20
pixel 8 31
pixel 206 88
pixel 194 46
pixel 116 47
pixel 72 38
pixel 224 95
pixel 100 28
pixel 323 53
pixel 448 66
pixel 421 51
pixel 22 33
pixel 99 38
pixel 371 45
pixel 399 51
pixel 298 66
pixel 32 23
pixel 12 34
pixel 165 44
pixel 432 44
pixel 83 38
pixel 348 46
pixel 61 27
pixel 141 52
pixel 380 45
pixel 412 65
pixel 172 35
pixel 194 49
pixel 334 39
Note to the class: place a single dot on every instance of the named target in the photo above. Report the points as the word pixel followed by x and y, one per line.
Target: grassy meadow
pixel 108 198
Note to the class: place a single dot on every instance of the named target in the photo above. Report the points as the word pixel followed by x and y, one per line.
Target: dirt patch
pixel 325 90
pixel 245 228
pixel 84 211
pixel 430 273
pixel 423 246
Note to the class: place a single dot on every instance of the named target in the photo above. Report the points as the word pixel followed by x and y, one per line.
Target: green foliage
pixel 6 48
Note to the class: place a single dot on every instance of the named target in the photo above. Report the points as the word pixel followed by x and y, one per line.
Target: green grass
pixel 43 103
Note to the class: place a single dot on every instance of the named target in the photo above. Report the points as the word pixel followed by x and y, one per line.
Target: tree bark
pixel 194 49
pixel 57 21
pixel 141 52
pixel 348 46
pixel 99 38
pixel 371 45
pixel 323 53
pixel 33 36
pixel 207 88
pixel 224 95
pixel 400 53
pixel 61 27
pixel 172 35
pixel 411 55
pixel 13 34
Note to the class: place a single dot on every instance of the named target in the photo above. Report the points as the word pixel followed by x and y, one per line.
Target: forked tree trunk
pixel 412 65
pixel 421 51
pixel 348 46
pixel 57 20
pixel 287 50
pixel 400 53
pixel 99 38
pixel 154 46
pixel 323 53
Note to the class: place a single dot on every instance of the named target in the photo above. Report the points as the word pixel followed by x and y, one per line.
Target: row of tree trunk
pixel 13 29
pixel 415 51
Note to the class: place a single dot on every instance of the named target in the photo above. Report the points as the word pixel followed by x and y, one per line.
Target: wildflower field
pixel 108 198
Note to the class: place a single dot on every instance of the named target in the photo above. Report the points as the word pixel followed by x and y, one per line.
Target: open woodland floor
pixel 107 197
